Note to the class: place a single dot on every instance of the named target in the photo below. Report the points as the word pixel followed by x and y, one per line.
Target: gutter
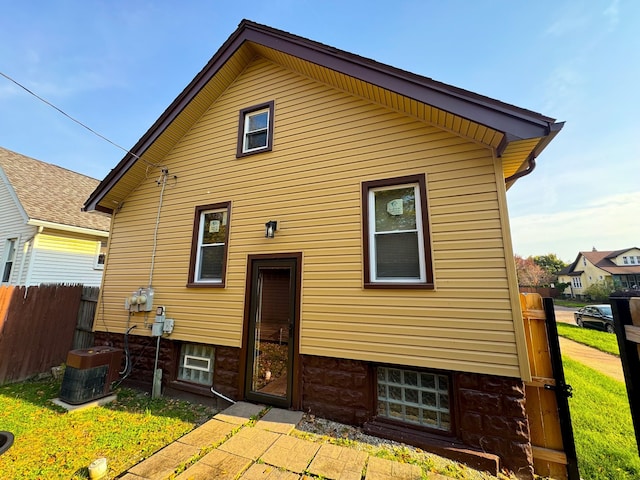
pixel 68 228
pixel 552 130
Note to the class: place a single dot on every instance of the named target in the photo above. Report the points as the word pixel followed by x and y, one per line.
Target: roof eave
pixel 68 228
pixel 513 121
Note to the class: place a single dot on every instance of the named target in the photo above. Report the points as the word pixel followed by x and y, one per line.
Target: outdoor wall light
pixel 270 228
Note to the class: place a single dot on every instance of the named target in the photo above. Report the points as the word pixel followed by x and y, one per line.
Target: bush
pixel 600 291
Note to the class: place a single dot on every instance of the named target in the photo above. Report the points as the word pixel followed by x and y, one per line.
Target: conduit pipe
pixel 222 396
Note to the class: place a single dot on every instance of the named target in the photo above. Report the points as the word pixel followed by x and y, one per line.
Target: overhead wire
pixel 30 92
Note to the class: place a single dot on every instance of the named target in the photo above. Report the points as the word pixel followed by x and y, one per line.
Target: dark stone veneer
pixel 491 429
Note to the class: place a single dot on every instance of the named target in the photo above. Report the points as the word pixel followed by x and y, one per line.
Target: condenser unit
pixel 89 374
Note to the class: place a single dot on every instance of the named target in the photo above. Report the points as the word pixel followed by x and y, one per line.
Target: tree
pixel 550 263
pixel 529 273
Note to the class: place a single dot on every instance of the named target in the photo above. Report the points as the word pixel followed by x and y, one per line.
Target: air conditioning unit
pixel 89 374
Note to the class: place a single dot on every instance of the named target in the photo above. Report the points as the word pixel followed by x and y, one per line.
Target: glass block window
pixel 196 363
pixel 418 398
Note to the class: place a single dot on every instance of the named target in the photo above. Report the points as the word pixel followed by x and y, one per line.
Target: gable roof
pixel 603 260
pixel 515 134
pixel 51 194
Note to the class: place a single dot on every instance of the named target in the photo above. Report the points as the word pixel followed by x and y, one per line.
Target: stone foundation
pixel 489 413
pixel 492 417
pixel 337 389
pixel 143 350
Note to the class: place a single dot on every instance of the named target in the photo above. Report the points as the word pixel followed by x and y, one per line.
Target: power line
pixel 73 119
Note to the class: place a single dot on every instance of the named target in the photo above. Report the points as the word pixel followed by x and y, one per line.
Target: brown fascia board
pixel 515 122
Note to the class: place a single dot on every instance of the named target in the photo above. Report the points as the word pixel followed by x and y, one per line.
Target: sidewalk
pixel 231 446
pixel 600 361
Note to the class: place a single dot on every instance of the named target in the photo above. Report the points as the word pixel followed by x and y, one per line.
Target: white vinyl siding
pixel 13 225
pixel 63 259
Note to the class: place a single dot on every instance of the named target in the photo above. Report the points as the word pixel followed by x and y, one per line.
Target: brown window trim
pixel 191 282
pixel 243 113
pixel 420 179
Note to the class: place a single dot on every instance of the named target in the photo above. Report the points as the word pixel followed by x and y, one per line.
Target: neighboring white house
pixel 45 237
pixel 622 267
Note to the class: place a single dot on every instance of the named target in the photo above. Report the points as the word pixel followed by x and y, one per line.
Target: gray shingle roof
pixel 50 193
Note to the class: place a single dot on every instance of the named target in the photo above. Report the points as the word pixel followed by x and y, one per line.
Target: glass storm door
pixel 271 329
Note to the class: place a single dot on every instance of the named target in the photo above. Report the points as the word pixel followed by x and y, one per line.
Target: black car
pixel 595 316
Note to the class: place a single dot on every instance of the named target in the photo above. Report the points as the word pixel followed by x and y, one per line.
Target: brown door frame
pixel 296 381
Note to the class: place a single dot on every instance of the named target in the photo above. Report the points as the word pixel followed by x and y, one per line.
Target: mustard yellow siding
pixel 326 143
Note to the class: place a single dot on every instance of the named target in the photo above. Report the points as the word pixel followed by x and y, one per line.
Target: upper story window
pixel 209 245
pixel 397 247
pixel 584 261
pixel 255 130
pixel 625 260
pixel 9 258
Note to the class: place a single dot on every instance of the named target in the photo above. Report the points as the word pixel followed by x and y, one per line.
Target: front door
pixel 271 327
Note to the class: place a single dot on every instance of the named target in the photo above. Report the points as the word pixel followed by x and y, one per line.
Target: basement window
pixel 414 397
pixel 255 129
pixel 196 364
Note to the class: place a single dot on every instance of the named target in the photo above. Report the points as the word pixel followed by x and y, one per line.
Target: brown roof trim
pixel 515 122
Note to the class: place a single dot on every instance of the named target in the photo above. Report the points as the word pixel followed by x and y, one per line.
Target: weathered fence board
pixel 83 336
pixel 36 328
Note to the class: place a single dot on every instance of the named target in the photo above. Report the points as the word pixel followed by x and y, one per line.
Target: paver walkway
pixel 231 446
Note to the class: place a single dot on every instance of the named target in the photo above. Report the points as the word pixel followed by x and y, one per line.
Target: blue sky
pixel 116 65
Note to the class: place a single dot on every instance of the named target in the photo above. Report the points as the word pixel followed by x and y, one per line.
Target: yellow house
pixel 308 228
pixel 45 237
pixel 621 268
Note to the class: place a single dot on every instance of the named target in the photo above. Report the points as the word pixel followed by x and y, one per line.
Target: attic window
pixel 255 129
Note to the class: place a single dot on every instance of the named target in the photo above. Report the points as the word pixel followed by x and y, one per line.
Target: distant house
pixel 45 237
pixel 329 234
pixel 621 267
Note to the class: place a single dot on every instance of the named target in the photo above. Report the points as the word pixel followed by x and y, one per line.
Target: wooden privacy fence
pixel 626 319
pixel 38 327
pixel 547 407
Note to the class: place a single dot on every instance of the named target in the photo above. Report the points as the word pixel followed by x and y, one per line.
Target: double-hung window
pixel 9 258
pixel 209 245
pixel 397 249
pixel 255 130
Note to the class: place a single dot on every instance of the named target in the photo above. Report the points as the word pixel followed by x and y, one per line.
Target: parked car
pixel 595 316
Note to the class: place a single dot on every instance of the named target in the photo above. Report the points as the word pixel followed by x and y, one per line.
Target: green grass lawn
pixel 51 443
pixel 605 440
pixel 570 302
pixel 603 341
